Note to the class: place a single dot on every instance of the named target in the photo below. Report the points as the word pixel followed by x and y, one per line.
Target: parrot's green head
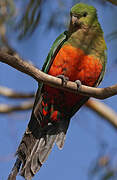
pixel 83 16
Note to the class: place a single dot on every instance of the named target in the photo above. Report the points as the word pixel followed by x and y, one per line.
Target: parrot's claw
pixel 63 78
pixel 78 82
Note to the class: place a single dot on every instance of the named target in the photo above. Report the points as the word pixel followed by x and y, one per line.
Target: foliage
pixel 30 18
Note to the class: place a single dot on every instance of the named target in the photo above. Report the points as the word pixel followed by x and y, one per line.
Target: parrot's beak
pixel 74 24
pixel 74 20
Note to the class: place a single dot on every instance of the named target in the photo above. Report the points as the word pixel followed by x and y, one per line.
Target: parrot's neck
pixel 90 40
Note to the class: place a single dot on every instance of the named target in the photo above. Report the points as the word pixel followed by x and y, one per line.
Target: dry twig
pixel 9 93
pixel 4 108
pixel 99 93
pixel 103 110
pixel 25 67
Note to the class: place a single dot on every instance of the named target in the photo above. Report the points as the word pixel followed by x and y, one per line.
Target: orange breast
pixel 75 64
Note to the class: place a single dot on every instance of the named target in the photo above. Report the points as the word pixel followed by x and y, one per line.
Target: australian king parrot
pixel 78 54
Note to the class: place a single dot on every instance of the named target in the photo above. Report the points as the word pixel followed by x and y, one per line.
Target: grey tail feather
pixel 34 151
pixel 60 139
pixel 15 170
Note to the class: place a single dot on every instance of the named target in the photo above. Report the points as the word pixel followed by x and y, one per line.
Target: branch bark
pixel 29 69
pixel 25 67
pixel 104 111
pixel 9 93
pixel 4 108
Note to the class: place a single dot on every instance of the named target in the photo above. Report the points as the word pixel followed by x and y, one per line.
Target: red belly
pixel 72 63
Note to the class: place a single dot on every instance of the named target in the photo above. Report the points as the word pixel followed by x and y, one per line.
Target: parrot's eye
pixel 85 14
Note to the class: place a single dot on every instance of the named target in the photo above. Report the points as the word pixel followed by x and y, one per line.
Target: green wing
pixel 53 52
pixel 104 57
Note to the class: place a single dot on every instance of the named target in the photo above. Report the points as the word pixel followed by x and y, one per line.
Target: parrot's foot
pixel 78 82
pixel 63 78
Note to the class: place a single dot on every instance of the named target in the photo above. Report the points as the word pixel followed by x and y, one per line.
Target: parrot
pixel 78 54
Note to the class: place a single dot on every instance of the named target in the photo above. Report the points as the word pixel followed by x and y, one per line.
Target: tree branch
pixel 25 67
pixel 9 93
pixel 4 108
pixel 101 109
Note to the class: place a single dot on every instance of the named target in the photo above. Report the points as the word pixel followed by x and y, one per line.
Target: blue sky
pixel 86 131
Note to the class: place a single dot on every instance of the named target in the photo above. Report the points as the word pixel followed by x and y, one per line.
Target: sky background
pixel 87 132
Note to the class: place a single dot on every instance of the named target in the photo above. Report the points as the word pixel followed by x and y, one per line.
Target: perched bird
pixel 78 54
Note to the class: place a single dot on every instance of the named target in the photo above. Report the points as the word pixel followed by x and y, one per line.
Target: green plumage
pixel 53 50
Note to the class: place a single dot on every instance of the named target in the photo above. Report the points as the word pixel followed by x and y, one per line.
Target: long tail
pixel 34 151
pixel 37 143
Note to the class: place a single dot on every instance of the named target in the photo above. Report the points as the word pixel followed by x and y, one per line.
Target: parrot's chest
pixel 74 63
